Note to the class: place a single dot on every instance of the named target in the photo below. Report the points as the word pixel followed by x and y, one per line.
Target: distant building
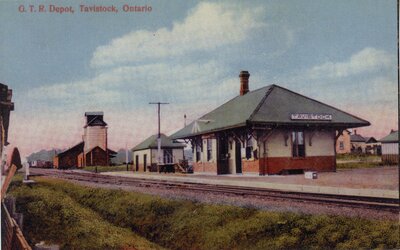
pixel 93 150
pixel 343 145
pixel 40 164
pixel 365 145
pixel 373 146
pixel 6 106
pixel 358 143
pixel 390 148
pixel 145 153
pixel 270 130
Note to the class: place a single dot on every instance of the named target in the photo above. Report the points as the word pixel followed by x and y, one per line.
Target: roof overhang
pixel 270 125
pixel 335 125
pixel 206 132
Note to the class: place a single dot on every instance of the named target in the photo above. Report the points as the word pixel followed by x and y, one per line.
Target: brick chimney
pixel 244 82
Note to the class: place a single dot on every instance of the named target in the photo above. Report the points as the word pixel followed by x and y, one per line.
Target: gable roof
pixel 151 142
pixel 357 138
pixel 76 148
pixel 270 105
pixel 370 140
pixel 110 151
pixel 392 137
pixel 95 119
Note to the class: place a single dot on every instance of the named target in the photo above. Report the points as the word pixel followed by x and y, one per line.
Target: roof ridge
pixel 271 87
pixel 68 149
pixel 322 103
pixel 234 98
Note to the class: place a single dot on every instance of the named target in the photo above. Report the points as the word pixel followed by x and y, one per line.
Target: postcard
pixel 200 124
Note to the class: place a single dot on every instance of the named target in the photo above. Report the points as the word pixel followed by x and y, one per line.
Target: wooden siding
pixel 390 159
pixel 140 154
pixel 95 137
pixel 12 237
pixel 81 160
pixel 96 157
pixel 68 160
pixel 390 148
pixel 151 156
pixel 390 153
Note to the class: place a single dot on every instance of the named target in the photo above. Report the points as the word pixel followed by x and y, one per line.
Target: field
pixel 358 157
pixel 85 216
pixel 349 161
pixel 360 164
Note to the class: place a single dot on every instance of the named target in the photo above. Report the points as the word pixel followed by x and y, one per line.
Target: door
pixel 144 162
pixel 137 163
pixel 222 155
pixel 168 157
pixel 238 157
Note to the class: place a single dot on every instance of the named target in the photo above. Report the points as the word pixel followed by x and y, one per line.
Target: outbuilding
pixel 364 145
pixel 145 153
pixel 92 151
pixel 390 148
pixel 343 145
pixel 270 130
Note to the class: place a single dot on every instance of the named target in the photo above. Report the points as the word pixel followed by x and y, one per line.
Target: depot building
pixel 271 130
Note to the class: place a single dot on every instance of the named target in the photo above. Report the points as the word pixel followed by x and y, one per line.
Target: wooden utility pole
pixel 126 156
pixel 159 131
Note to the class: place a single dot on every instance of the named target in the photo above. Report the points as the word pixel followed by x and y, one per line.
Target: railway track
pixel 375 203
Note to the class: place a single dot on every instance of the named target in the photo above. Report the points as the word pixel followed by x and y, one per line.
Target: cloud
pixel 367 60
pixel 364 85
pixel 207 26
pixel 137 85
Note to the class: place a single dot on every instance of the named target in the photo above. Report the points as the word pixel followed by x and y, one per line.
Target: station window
pixel 341 145
pixel 198 152
pixel 298 147
pixel 209 149
pixel 249 148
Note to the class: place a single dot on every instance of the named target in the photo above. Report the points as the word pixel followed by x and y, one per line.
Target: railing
pixel 11 235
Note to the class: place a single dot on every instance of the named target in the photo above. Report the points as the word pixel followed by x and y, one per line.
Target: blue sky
pixel 189 53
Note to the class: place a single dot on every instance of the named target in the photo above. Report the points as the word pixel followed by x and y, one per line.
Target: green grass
pixel 358 157
pixel 350 161
pixel 56 218
pixel 107 168
pixel 178 224
pixel 351 165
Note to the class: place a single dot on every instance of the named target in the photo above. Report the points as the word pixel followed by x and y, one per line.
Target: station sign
pixel 312 117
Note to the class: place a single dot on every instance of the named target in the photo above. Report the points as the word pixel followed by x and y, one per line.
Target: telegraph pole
pixel 159 132
pixel 126 156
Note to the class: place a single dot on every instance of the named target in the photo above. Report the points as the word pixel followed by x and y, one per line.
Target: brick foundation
pixel 251 166
pixel 274 165
pixel 205 167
